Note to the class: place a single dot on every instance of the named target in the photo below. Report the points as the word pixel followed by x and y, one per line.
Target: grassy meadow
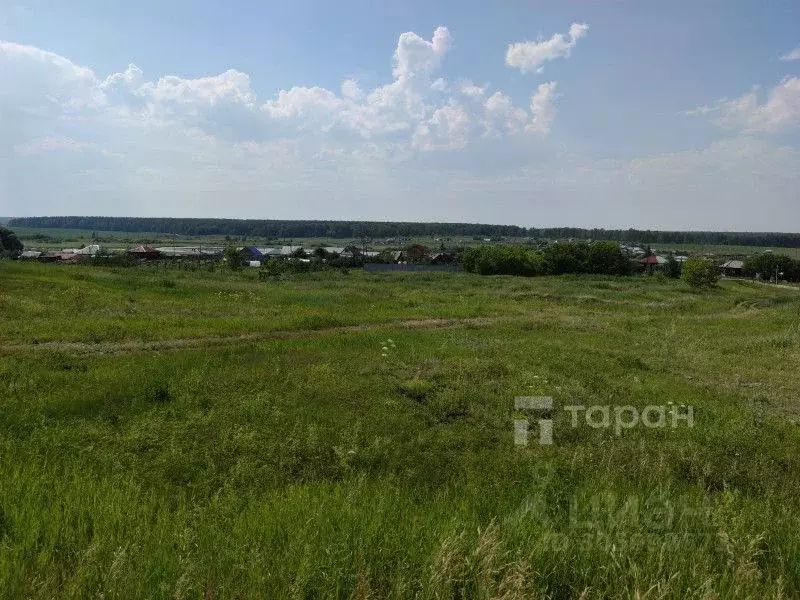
pixel 204 434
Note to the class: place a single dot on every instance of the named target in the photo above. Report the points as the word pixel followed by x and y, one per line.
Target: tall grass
pixel 322 465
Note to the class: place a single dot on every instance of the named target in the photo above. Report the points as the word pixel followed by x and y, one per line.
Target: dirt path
pixel 134 346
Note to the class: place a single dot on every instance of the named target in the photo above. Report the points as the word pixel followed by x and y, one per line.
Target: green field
pixel 204 434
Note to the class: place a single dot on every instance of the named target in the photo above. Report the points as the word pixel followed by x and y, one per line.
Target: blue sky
pixel 588 113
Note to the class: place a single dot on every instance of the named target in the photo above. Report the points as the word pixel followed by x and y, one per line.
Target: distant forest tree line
pixel 260 228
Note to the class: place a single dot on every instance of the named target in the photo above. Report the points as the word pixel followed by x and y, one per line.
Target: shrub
pixel 502 260
pixel 234 258
pixel 276 267
pixel 700 273
pixel 271 268
pixel 417 389
pixel 160 394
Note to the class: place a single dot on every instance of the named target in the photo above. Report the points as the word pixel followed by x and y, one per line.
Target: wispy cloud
pixel 793 55
pixel 779 113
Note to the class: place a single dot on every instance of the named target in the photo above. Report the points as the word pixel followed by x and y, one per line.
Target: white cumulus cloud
pixel 414 146
pixel 531 56
pixel 543 108
pixel 415 110
pixel 312 103
pixel 780 112
pixel 232 86
pixel 35 79
pixel 351 90
pixel 502 116
pixel 448 127
pixel 193 138
pixel 470 89
pixel 415 55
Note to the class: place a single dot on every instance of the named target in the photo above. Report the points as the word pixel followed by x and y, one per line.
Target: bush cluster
pixel 275 267
pixel 700 273
pixel 601 258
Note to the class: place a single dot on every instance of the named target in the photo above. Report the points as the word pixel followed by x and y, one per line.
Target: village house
pixel 251 254
pixel 416 253
pixel 733 268
pixel 144 252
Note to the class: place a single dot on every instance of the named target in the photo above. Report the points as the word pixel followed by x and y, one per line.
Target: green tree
pixel 566 257
pixel 234 258
pixel 672 268
pixel 700 273
pixel 607 258
pixel 767 264
pixel 272 268
pixel 9 243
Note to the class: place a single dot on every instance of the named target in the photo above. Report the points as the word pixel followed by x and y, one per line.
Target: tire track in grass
pixel 134 346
